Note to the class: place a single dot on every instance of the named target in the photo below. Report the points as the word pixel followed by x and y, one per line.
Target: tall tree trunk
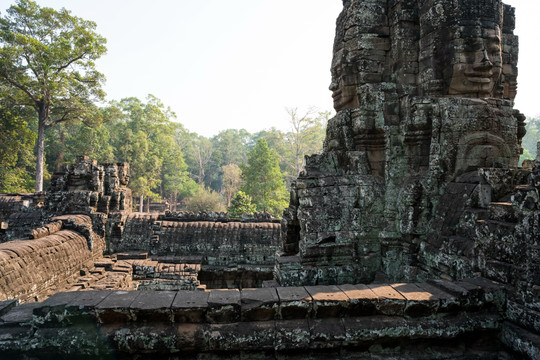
pixel 141 204
pixel 40 149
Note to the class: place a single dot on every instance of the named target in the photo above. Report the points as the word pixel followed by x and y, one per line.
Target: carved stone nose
pixel 485 64
pixel 333 85
pixel 486 59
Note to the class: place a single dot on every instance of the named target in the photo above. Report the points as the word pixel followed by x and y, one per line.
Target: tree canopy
pixel 16 146
pixel 264 182
pixel 47 64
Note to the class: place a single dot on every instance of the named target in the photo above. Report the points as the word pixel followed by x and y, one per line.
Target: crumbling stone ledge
pixel 275 320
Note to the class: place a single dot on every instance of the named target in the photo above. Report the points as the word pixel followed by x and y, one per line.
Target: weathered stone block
pixel 448 303
pixel 327 334
pixel 223 306
pixel 294 303
pixel 160 338
pixel 419 302
pixel 390 302
pixel 259 335
pixel 292 334
pixel 520 340
pixel 19 315
pixel 190 338
pixel 6 306
pixel 153 306
pixel 361 330
pixel 190 306
pixel 259 304
pixel 362 301
pixel 115 308
pixel 328 301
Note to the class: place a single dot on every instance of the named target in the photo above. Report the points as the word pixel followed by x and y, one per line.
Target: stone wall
pixel 220 241
pixel 457 320
pixel 31 270
pixel 487 223
pixel 232 253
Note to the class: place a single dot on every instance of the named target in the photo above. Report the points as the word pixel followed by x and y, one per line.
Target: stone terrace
pixel 456 319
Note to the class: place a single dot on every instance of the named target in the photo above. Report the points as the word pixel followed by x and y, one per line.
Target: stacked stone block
pixel 313 321
pixel 218 242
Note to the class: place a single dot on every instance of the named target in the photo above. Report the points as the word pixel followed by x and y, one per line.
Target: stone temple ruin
pixel 413 235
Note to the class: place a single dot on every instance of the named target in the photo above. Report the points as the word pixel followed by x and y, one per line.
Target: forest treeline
pixel 168 162
pixel 52 110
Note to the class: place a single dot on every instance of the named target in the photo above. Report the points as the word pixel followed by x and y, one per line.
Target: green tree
pixel 229 147
pixel 205 200
pixel 197 151
pixel 175 180
pixel 16 146
pixel 47 64
pixel 241 204
pixel 530 139
pixel 275 139
pixel 144 137
pixel 232 146
pixel 264 180
pixel 65 143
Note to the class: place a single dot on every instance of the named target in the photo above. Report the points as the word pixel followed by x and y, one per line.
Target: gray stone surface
pixel 412 116
pixel 419 301
pixel 259 304
pixel 190 306
pixel 6 306
pixel 223 306
pixel 21 314
pixel 153 306
pixel 294 302
pixel 115 308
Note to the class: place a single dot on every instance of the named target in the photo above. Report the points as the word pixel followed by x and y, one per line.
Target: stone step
pixel 132 256
pixel 408 300
pixel 104 263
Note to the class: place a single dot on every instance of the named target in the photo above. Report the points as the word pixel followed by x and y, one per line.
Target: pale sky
pixel 223 64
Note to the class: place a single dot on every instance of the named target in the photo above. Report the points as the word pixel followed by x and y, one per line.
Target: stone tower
pixel 423 91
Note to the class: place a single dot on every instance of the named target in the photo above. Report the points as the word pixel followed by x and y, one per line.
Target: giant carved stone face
pixel 344 84
pixel 477 63
pixel 360 47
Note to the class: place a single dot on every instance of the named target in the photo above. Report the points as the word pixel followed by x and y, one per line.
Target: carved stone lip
pixel 480 80
pixel 336 93
pixel 479 77
pixel 479 73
